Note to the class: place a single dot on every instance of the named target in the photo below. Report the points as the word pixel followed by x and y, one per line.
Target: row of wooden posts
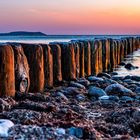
pixel 34 67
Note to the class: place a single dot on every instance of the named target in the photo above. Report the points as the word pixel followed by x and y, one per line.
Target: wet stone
pixel 122 64
pixel 136 78
pixel 129 66
pixel 78 132
pixel 84 82
pixel 95 79
pixel 126 99
pixel 73 91
pixel 96 92
pixel 114 98
pixel 114 73
pixel 117 89
pixel 103 75
pixel 104 98
pixel 78 85
pixel 62 96
pixel 137 90
pixel 5 125
pixel 80 97
pixel 117 77
pixel 128 77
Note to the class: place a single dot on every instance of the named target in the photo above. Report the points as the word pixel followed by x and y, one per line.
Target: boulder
pixel 96 92
pixel 117 89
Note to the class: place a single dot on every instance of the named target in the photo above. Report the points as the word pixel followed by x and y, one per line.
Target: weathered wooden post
pixel 82 59
pixel 118 52
pixel 122 53
pixel 96 56
pixel 124 41
pixel 48 66
pixel 100 56
pixel 68 61
pixel 7 73
pixel 57 66
pixel 77 57
pixel 129 45
pixel 136 44
pixel 112 54
pixel 34 54
pixel 106 55
pixel 22 79
pixel 87 58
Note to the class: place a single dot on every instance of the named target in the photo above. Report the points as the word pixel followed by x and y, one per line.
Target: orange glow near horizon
pixel 71 17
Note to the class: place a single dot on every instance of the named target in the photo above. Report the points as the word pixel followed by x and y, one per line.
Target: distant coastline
pixel 23 33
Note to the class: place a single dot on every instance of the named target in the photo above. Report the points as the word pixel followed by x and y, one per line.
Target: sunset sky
pixel 71 16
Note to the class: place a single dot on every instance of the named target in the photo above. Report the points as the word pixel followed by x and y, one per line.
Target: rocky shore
pixel 105 107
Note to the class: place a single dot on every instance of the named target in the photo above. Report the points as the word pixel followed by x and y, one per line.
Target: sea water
pixel 53 38
pixel 134 59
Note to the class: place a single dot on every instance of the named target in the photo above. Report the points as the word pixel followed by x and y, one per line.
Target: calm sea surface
pixel 133 58
pixel 52 38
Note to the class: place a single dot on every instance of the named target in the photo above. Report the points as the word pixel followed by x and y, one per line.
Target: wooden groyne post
pixel 34 67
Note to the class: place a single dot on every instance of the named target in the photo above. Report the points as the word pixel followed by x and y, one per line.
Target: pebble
pixel 80 97
pixel 104 98
pixel 61 131
pixel 78 132
pixel 5 125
